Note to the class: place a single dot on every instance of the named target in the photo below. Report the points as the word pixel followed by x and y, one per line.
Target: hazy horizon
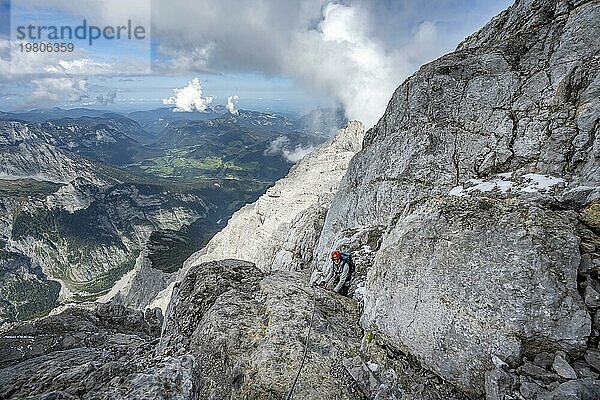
pixel 287 57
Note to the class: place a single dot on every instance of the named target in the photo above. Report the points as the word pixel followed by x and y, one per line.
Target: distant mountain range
pixel 215 144
pixel 85 193
pixel 323 121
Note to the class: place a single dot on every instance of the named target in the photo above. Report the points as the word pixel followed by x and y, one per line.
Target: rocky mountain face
pixel 28 152
pixel 293 208
pixel 473 215
pixel 97 351
pixel 231 331
pixel 480 175
pixel 73 226
pixel 322 121
pixel 155 121
pixel 82 236
pixel 233 320
pixel 111 138
pixel 248 146
pixel 472 210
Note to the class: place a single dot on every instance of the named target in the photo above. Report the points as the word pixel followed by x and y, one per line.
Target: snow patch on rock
pixel 509 183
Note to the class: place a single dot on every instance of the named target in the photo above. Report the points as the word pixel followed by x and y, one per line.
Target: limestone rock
pixel 538 373
pixel 562 367
pixel 260 232
pixel 98 351
pixel 27 152
pixel 362 374
pixel 544 359
pixel 246 332
pixel 592 297
pixel 477 272
pixel 143 285
pixel 583 370
pixel 578 389
pixel 591 215
pixel 530 390
pixel 498 384
pixel 499 363
pixel 471 172
pixel 592 356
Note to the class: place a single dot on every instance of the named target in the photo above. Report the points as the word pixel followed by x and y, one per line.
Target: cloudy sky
pixel 285 56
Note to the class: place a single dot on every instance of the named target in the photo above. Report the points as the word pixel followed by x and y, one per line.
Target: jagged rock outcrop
pixel 287 217
pixel 231 332
pixel 445 287
pixel 28 152
pixel 139 286
pixel 476 174
pixel 246 332
pixel 472 211
pixel 96 352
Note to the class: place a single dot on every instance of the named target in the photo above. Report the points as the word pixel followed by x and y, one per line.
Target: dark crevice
pixel 456 160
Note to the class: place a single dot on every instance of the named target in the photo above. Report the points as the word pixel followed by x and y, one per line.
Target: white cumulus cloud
pixel 297 154
pixel 329 48
pixel 340 58
pixel 189 98
pixel 231 102
pixel 356 52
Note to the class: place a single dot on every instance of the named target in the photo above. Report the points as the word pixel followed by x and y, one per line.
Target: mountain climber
pixel 339 274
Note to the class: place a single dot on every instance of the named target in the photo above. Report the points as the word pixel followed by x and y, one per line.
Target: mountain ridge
pixel 471 211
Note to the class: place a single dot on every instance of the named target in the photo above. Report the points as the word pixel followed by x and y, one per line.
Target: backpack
pixel 347 258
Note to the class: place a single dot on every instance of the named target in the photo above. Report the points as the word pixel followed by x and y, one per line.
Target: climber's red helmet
pixel 336 255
